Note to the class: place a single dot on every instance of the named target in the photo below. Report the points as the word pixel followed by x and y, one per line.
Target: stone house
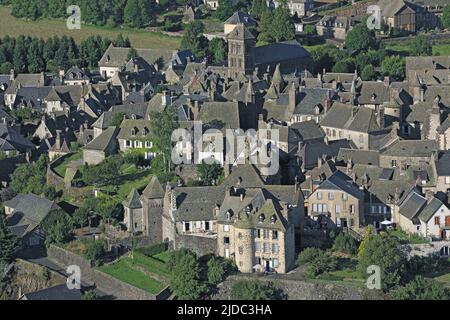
pixel 408 152
pixel 75 76
pixel 424 215
pixel 12 143
pixel 102 146
pixel 255 231
pixel 398 14
pixel 296 7
pixel 25 214
pixel 115 59
pixel 335 27
pixel 190 217
pixel 361 125
pixel 135 135
pixel 337 202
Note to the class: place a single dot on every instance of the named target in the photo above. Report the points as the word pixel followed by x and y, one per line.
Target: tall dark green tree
pixel 360 38
pixel 162 126
pixel 265 26
pixel 185 281
pixel 258 8
pixel 136 13
pixel 383 251
pixel 446 17
pixel 8 242
pixel 209 173
pixel 36 62
pixel 283 27
pixel 193 38
pixel 225 10
pixel 218 50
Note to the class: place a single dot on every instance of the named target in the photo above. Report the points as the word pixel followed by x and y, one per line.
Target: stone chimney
pixel 293 93
pixel 326 104
pixel 12 75
pixel 387 81
pixel 165 98
pixel 319 162
pixel 58 139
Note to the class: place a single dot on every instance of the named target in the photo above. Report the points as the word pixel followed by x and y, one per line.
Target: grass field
pixel 46 28
pixel 151 264
pixel 61 169
pixel 439 48
pixel 122 271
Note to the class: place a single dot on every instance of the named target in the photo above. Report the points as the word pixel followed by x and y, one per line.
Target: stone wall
pixel 428 249
pixel 200 245
pixel 106 283
pixel 303 290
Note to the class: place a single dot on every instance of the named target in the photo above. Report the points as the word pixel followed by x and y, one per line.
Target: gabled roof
pixel 117 57
pixel 102 142
pixel 133 201
pixel 278 52
pixel 340 181
pixel 412 205
pixel 308 130
pixel 11 140
pixel 241 17
pixel 154 190
pixel 59 292
pixel 430 209
pixel 138 129
pixel 411 148
pixel 240 32
pixel 29 212
pixel 344 116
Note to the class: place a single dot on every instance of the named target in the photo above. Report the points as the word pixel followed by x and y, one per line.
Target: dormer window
pixel 228 215
pixel 133 131
pixel 261 218
pixel 273 219
pixel 317 109
pixel 133 116
pixel 373 97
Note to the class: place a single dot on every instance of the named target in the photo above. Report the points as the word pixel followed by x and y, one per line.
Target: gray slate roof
pixel 430 209
pixel 102 142
pixel 412 205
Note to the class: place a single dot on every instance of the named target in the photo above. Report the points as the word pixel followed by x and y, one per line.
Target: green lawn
pixel 444 279
pixel 121 270
pixel 151 264
pixel 61 169
pixel 138 179
pixel 439 48
pixel 344 277
pixel 163 256
pixel 46 28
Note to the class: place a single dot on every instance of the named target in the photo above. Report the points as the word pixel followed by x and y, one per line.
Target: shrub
pixel 95 249
pixel 308 255
pixel 324 262
pixel 345 243
pixel 253 290
pixel 153 250
pixel 218 269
